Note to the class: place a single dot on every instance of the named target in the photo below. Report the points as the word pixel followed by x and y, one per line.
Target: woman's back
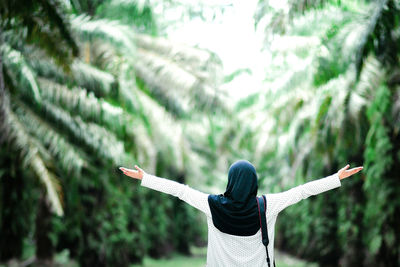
pixel 232 250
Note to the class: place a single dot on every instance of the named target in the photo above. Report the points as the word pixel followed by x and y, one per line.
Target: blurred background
pixel 183 89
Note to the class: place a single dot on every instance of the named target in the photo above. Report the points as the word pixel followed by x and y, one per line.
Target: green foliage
pixel 378 37
pixel 377 156
pixel 131 96
pixel 379 161
pixel 15 203
pixel 344 112
pixel 79 117
pixel 41 23
pixel 330 67
pixel 138 13
pixel 19 72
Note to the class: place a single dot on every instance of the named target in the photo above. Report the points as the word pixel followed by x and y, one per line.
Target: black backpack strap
pixel 262 207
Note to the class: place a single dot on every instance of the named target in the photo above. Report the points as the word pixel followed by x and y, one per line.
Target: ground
pixel 198 259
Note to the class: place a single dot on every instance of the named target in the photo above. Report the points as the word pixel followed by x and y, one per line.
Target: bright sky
pixel 233 37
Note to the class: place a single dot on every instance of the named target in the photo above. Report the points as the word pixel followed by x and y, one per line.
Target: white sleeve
pixel 193 197
pixel 279 201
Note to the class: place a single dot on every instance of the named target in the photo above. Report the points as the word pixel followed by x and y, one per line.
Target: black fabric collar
pixel 235 212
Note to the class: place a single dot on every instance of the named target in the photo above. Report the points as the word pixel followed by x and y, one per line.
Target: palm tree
pixel 323 110
pixel 12 129
pixel 66 114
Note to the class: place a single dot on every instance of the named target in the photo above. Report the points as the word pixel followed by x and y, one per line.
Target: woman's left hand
pixel 132 173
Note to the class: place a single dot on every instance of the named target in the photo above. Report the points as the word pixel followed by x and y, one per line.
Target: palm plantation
pixel 87 86
pixel 69 115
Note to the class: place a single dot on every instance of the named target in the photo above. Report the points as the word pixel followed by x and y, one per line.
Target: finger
pixel 137 168
pixel 343 169
pixel 355 170
pixel 351 172
pixel 129 170
pixel 133 175
pixel 127 173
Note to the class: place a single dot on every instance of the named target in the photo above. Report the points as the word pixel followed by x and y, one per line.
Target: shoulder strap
pixel 263 221
pixel 262 207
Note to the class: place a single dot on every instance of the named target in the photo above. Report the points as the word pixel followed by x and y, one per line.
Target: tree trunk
pixel 389 253
pixel 44 245
pixel 2 89
pixel 12 230
pixel 11 241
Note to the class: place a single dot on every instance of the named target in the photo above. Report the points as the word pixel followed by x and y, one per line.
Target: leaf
pixel 25 144
pixel 20 71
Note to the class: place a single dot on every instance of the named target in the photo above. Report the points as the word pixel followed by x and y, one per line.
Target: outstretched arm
pixel 279 201
pixel 193 197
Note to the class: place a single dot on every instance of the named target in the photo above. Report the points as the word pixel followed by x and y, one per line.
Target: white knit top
pixel 230 250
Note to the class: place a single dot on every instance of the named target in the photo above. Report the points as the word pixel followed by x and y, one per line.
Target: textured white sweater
pixel 230 250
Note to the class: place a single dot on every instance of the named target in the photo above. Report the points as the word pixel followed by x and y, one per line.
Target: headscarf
pixel 236 212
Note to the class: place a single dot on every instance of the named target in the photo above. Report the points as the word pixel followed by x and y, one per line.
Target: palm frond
pixel 103 55
pixel 383 17
pixel 196 72
pixel 15 133
pixel 332 98
pixel 165 131
pixel 69 158
pixel 20 72
pixel 92 79
pixel 81 74
pixel 97 139
pixel 275 21
pixel 138 13
pixel 201 63
pixel 156 74
pixel 112 31
pixel 43 24
pixel 173 84
pixel 46 68
pixel 56 17
pixel 372 75
pixel 363 93
pixel 127 88
pixel 89 107
pixel 304 5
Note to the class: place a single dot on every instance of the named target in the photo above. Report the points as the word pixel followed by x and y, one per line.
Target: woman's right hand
pixel 132 173
pixel 344 173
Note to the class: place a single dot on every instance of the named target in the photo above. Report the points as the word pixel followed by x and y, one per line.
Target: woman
pixel 234 236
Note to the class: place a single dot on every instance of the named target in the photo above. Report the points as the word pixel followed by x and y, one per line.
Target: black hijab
pixel 236 212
